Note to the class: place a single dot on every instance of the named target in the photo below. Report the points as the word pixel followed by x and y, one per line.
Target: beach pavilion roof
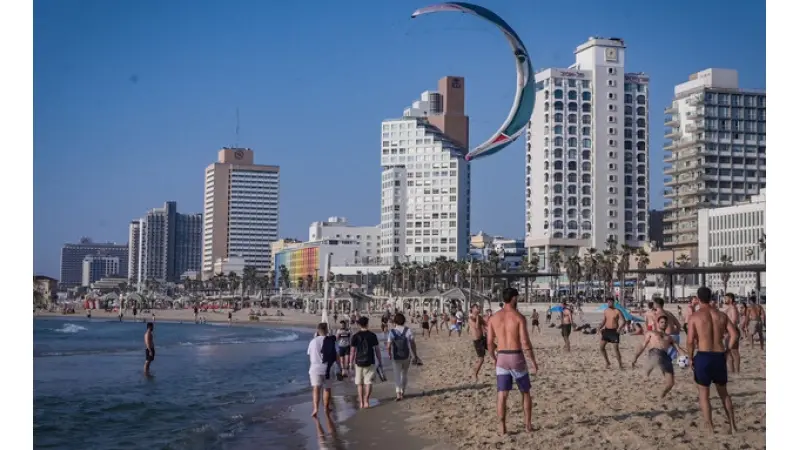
pixel 462 294
pixel 431 293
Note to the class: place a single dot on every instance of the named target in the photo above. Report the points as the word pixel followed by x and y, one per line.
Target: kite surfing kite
pixel 521 111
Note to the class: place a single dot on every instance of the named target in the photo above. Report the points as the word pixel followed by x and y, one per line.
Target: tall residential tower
pixel 587 153
pixel 169 244
pixel 716 153
pixel 241 210
pixel 425 182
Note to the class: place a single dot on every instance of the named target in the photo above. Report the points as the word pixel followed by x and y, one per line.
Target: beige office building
pixel 241 210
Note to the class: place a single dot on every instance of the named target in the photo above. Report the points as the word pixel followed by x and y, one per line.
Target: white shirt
pixel 399 330
pixel 459 316
pixel 315 356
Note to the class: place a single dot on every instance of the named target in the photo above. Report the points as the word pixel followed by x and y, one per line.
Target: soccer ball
pixel 683 361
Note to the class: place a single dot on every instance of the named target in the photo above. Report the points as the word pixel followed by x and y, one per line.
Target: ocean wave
pixel 70 328
pixel 290 337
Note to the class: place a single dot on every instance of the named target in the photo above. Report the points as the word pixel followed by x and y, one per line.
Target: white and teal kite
pixel 521 110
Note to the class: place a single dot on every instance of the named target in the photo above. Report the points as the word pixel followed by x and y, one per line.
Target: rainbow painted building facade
pixel 308 258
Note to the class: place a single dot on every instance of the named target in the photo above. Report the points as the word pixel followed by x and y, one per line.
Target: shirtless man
pixel 426 323
pixel 610 330
pixel 149 348
pixel 477 331
pixel 755 323
pixel 650 317
pixel 566 324
pixel 733 315
pixel 742 318
pixel 510 329
pixel 535 321
pixel 707 326
pixel 687 313
pixel 657 343
pixel 673 325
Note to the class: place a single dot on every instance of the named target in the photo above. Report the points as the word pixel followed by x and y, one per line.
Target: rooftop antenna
pixel 237 127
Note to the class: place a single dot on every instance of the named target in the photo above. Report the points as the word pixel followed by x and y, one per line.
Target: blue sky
pixel 132 99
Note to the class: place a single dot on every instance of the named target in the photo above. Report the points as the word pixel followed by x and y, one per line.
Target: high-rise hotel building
pixel 241 210
pixel 587 153
pixel 425 182
pixel 716 152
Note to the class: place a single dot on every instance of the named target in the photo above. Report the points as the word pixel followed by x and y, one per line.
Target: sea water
pixel 213 386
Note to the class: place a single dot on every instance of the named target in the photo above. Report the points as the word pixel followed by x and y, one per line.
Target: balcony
pixel 672 133
pixel 671 121
pixel 673 109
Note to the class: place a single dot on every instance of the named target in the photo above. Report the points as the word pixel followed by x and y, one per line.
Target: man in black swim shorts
pixel 477 331
pixel 426 323
pixel 149 348
pixel 566 324
pixel 610 330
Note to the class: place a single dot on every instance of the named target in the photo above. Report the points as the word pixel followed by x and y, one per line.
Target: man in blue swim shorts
pixel 710 362
pixel 510 329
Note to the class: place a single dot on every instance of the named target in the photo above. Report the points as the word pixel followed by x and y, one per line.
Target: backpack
pixel 329 350
pixel 344 338
pixel 400 345
pixel 363 352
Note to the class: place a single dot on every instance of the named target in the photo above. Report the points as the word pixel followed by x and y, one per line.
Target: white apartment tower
pixel 368 238
pixel 587 153
pixel 716 153
pixel 425 182
pixel 241 210
pixel 134 237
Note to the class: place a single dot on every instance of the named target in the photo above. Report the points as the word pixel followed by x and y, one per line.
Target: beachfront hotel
pixel 734 232
pixel 241 210
pixel 169 244
pixel 368 237
pixel 425 182
pixel 587 153
pixel 716 152
pixel 72 256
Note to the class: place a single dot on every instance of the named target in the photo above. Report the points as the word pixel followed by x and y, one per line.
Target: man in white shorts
pixel 318 372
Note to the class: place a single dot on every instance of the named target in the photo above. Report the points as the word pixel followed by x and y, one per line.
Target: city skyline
pixel 137 122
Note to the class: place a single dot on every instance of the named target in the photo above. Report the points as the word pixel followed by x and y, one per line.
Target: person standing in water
pixel 707 326
pixel 477 330
pixel 343 342
pixel 510 329
pixel 149 348
pixel 365 352
pixel 318 371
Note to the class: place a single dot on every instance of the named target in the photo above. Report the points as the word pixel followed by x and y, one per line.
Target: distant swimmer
pixel 120 314
pixel 707 326
pixel 149 348
pixel 535 322
pixel 610 330
pixel 510 329
pixel 658 343
pixel 477 331
pixel 756 317
pixel 732 312
pixel 230 318
pixel 195 314
pixel 566 324
pixel 134 313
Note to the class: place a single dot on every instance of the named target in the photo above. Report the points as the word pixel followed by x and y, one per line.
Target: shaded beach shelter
pixel 625 313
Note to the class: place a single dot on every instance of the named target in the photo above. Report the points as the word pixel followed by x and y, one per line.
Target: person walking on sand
pixel 707 325
pixel 434 323
pixel 756 317
pixel 149 348
pixel 343 342
pixel 459 321
pixel 402 349
pixel 535 321
pixel 657 343
pixel 610 330
pixel 510 329
pixel 477 331
pixel 730 310
pixel 319 368
pixel 566 324
pixel 364 353
pixel 426 323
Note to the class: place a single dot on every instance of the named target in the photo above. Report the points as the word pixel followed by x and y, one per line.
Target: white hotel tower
pixel 587 155
pixel 424 183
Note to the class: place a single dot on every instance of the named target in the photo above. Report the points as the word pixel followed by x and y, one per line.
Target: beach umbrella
pixel 625 313
pixel 557 309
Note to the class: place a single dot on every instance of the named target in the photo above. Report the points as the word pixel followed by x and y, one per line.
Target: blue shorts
pixel 710 367
pixel 673 354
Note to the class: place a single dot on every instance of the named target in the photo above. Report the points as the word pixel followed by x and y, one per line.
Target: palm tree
pixel 555 267
pixel 188 284
pixel 590 270
pixel 642 262
pixel 234 281
pixel 622 268
pixel 300 283
pixel 665 277
pixel 725 261
pixel 284 274
pixel 573 268
pixel 683 261
pixel 249 279
pixel 606 264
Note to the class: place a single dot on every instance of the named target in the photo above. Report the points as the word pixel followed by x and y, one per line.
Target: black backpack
pixel 400 345
pixel 363 352
pixel 329 350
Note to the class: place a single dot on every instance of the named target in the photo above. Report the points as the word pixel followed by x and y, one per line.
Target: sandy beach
pixel 577 403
